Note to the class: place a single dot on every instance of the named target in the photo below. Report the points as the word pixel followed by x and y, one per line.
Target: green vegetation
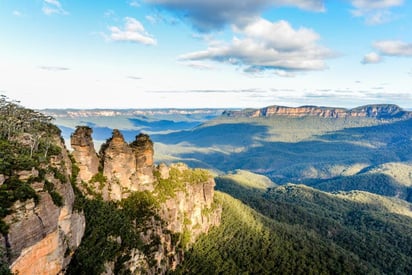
pixel 99 178
pixel 376 183
pixel 113 230
pixel 248 179
pixel 13 190
pixel 26 143
pixel 291 149
pixel 267 229
pixel 56 197
pixel 248 243
pixel 295 229
pixel 4 267
pixel 177 180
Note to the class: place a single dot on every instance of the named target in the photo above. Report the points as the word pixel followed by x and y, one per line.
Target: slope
pixel 293 149
pixel 295 229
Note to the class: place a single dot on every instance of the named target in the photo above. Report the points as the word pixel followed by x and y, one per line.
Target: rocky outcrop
pixel 184 198
pixel 84 152
pixel 191 210
pixel 143 151
pixel 119 167
pixel 383 111
pixel 124 168
pixel 43 234
pixel 186 209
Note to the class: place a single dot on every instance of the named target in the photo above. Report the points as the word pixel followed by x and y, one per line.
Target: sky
pixel 205 53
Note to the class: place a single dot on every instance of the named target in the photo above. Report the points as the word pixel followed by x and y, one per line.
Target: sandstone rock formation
pixel 184 198
pixel 191 209
pixel 43 236
pixel 124 168
pixel 383 111
pixel 143 152
pixel 84 152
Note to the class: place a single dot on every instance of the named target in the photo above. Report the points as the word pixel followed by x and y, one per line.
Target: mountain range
pixel 300 190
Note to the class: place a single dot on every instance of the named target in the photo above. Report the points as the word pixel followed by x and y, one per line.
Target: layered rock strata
pixel 382 111
pixel 43 236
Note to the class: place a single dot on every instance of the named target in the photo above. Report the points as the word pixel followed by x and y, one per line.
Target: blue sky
pixel 197 53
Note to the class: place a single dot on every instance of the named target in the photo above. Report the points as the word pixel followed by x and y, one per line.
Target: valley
pixel 310 148
pixel 293 191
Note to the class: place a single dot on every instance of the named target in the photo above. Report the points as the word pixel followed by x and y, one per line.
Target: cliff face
pixel 183 199
pixel 386 111
pixel 190 210
pixel 84 153
pixel 44 232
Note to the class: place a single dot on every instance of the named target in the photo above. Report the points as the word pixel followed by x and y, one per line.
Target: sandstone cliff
pixel 190 208
pixel 84 153
pixel 44 230
pixel 180 202
pixel 382 111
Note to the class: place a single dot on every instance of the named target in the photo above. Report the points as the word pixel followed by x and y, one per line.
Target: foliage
pixel 112 231
pixel 26 143
pixel 4 267
pixel 346 235
pixel 10 191
pixel 248 179
pixel 177 180
pixel 377 183
pixel 56 197
pixel 248 243
pixel 291 149
pixel 57 174
pixel 140 206
pixel 99 178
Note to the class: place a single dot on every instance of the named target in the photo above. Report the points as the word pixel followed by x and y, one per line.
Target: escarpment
pixel 379 111
pixel 164 208
pixel 42 229
pixel 88 213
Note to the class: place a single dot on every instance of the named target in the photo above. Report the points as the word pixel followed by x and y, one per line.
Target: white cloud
pixel 53 7
pixel 133 32
pixel 375 11
pixel 371 58
pixel 376 4
pixel 214 14
pixel 53 3
pixel 394 48
pixel 134 3
pixel 268 45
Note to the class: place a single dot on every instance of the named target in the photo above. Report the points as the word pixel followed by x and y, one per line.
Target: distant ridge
pixel 73 113
pixel 378 111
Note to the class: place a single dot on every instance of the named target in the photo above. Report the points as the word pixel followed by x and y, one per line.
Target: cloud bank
pixel 266 45
pixel 214 14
